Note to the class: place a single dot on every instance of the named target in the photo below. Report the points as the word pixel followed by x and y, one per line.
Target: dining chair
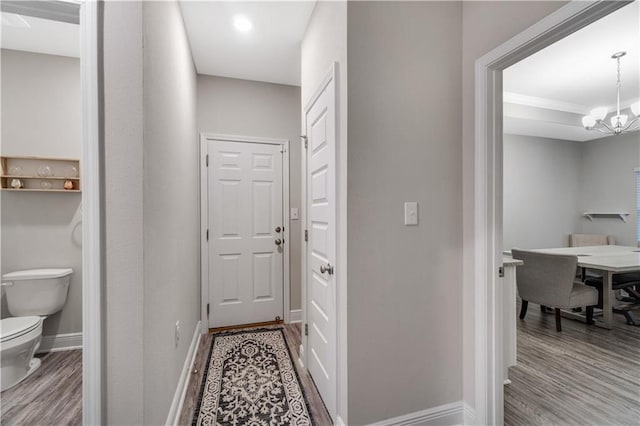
pixel 549 280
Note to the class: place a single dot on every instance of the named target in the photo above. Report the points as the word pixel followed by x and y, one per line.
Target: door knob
pixel 328 269
pixel 278 229
pixel 278 241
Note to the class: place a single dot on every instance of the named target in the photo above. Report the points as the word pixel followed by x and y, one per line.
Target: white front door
pixel 321 245
pixel 246 237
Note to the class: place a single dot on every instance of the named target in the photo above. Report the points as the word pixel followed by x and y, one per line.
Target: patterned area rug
pixel 251 380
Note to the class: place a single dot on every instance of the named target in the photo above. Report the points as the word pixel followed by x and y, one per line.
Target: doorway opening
pixel 486 254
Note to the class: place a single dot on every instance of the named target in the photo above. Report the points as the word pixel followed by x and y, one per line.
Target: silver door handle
pixel 278 242
pixel 327 268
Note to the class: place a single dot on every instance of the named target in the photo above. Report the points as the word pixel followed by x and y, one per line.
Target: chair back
pixel 582 240
pixel 546 279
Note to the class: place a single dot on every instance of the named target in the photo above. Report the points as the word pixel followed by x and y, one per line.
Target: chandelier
pixel 619 123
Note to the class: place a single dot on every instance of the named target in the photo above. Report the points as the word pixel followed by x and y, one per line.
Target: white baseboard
pixel 301 356
pixel 442 415
pixel 469 414
pixel 181 390
pixel 295 315
pixel 60 342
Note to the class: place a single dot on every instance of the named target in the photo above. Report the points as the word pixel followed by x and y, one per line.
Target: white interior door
pixel 246 235
pixel 321 245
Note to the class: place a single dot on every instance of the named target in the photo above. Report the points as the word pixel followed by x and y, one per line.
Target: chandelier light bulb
pixel 588 121
pixel 599 113
pixel 635 108
pixel 619 120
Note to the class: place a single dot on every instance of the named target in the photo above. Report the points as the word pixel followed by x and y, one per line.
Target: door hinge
pixel 306 329
pixel 501 272
pixel 306 141
pixel 306 235
pixel 207 160
pixel 207 235
pixel 207 310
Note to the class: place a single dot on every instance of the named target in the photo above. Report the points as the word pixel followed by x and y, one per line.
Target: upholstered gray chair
pixel 549 280
pixel 584 240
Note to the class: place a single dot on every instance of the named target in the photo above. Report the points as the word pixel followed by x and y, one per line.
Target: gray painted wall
pixel 152 208
pixel 323 45
pixel 171 204
pixel 608 184
pixel 251 108
pixel 542 191
pixel 552 182
pixel 123 168
pixel 404 145
pixel 41 116
pixel 480 35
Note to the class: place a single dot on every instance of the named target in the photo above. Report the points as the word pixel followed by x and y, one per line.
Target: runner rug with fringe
pixel 251 380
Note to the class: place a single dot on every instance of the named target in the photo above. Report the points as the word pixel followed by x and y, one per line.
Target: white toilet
pixel 31 296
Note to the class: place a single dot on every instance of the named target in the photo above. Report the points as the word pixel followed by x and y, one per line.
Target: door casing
pixel 204 246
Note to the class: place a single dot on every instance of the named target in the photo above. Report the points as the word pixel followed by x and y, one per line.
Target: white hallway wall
pixel 41 117
pixel 152 219
pixel 251 108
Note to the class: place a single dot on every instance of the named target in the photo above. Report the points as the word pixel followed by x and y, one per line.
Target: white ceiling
pixel 40 36
pixel 269 52
pixel 576 74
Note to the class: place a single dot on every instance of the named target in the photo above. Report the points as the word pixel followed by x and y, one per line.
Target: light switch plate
pixel 294 214
pixel 411 213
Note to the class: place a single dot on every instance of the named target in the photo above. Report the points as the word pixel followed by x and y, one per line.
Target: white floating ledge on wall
pixel 620 215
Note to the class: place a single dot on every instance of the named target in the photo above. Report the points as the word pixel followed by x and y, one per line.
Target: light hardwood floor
pixel 52 395
pixel 584 375
pixel 292 333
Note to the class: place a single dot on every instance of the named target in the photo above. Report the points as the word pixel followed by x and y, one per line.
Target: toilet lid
pixel 11 328
pixel 37 274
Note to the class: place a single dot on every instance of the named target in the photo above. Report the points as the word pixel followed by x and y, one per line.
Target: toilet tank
pixel 36 291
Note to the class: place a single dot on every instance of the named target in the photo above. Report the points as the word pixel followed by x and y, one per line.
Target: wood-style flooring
pixel 584 375
pixel 292 333
pixel 52 395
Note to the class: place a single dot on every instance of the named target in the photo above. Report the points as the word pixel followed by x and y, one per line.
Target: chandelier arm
pixel 632 125
pixel 606 126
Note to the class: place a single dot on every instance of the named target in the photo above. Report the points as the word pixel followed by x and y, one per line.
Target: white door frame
pixel 92 166
pixel 487 247
pixel 204 218
pixel 340 261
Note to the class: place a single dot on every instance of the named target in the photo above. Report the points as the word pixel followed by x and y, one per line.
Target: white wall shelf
pixel 38 174
pixel 594 215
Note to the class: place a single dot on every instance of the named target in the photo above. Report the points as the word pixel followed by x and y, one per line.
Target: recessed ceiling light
pixel 242 23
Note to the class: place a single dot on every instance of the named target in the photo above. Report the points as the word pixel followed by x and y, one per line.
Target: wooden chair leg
pixel 558 326
pixel 523 309
pixel 590 320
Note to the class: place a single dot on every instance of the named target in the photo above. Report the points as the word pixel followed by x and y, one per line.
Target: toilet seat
pixel 14 327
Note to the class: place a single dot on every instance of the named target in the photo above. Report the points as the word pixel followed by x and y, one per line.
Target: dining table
pixel 609 260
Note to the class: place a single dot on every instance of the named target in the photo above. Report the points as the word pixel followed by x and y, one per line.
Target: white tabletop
pixel 591 250
pixel 606 258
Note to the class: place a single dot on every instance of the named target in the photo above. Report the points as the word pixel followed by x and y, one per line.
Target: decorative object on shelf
pixel 45 184
pixel 620 123
pixel 73 171
pixel 45 171
pixel 68 184
pixel 16 184
pixel 15 171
